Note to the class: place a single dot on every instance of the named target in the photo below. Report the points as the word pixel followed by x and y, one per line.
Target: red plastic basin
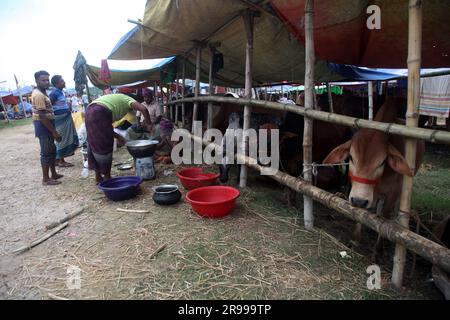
pixel 192 178
pixel 213 201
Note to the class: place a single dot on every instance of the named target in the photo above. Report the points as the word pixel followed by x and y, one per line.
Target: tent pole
pixel 197 83
pixel 211 83
pixel 330 97
pixel 169 98
pixel 176 98
pixel 248 22
pixel 309 104
pixel 414 62
pixel 370 96
pixel 183 83
pixel 20 96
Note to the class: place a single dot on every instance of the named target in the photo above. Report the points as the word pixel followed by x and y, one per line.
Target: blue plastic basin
pixel 121 188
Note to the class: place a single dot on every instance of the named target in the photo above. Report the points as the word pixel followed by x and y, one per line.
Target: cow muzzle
pixel 358 202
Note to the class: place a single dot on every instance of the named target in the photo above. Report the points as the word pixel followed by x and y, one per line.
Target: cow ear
pixel 339 154
pixel 397 162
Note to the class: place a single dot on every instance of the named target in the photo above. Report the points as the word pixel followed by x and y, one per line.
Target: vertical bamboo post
pixel 248 22
pixel 177 82
pixel 169 98
pixel 183 84
pixel 211 88
pixel 414 62
pixel 197 83
pixel 370 96
pixel 330 97
pixel 309 103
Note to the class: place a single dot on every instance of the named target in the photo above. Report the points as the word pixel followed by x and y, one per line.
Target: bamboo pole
pixel 430 135
pixel 389 229
pixel 66 218
pixel 41 239
pixel 211 83
pixel 197 84
pixel 169 98
pixel 370 96
pixel 309 104
pixel 414 62
pixel 330 97
pixel 183 84
pixel 177 82
pixel 20 96
pixel 248 23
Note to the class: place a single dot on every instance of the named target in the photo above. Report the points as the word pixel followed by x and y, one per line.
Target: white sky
pixel 47 34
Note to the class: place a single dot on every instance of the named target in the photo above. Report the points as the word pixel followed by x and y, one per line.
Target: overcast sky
pixel 47 34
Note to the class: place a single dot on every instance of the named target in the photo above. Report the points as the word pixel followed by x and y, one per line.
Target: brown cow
pixel 376 165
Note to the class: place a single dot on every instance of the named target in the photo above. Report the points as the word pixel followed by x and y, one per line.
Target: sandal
pixel 58 176
pixel 51 182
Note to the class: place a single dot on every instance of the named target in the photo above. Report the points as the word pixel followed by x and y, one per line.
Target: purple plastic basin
pixel 121 188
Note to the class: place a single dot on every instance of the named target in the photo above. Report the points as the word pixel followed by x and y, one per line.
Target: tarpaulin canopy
pixel 23 91
pixel 8 98
pixel 366 74
pixel 172 27
pixel 124 77
pixel 341 34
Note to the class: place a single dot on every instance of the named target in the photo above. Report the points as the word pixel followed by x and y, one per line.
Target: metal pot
pixel 141 148
pixel 166 194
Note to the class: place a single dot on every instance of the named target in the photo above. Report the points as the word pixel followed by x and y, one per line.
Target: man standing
pixel 63 123
pixel 44 127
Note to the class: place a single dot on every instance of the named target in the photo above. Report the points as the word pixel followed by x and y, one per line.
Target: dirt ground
pixel 260 251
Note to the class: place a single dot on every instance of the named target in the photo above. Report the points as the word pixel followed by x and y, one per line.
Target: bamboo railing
pixel 434 136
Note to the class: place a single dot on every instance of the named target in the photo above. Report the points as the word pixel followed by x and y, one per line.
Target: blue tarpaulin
pixel 366 74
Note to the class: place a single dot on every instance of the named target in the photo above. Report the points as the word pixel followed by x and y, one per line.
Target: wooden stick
pixel 131 210
pixel 42 239
pixel 248 22
pixel 330 97
pixel 434 136
pixel 309 104
pixel 211 83
pixel 66 218
pixel 370 97
pixel 414 62
pixel 161 248
pixel 197 82
pixel 183 83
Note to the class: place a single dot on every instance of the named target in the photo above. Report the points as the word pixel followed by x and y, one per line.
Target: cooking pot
pixel 141 148
pixel 166 194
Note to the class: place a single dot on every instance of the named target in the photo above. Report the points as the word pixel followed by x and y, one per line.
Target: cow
pixel 235 122
pixel 376 167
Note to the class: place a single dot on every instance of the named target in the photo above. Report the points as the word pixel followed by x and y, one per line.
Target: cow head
pixel 369 153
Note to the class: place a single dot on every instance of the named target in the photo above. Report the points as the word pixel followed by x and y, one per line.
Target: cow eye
pixel 383 163
pixel 350 158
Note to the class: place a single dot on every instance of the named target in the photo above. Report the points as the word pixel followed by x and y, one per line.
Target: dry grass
pixel 260 251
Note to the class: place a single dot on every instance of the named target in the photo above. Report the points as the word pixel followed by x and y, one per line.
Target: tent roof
pixel 23 91
pixel 172 27
pixel 341 34
pixel 123 77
